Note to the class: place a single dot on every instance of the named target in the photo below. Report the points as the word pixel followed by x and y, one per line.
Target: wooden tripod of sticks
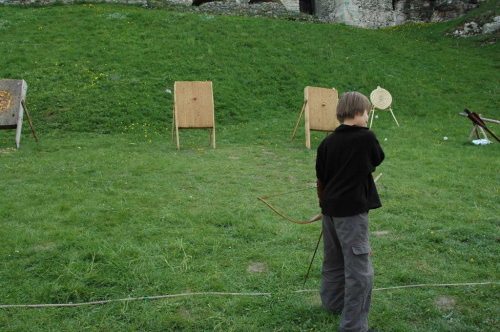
pixel 479 124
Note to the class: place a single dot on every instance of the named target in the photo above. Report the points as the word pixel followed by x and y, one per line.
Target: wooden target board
pixel 320 109
pixel 12 93
pixel 193 108
pixel 12 104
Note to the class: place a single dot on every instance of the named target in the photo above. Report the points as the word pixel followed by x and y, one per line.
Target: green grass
pixel 104 207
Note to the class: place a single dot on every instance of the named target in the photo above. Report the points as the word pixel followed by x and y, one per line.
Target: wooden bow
pixel 300 222
pixel 313 219
pixel 476 119
pixel 319 240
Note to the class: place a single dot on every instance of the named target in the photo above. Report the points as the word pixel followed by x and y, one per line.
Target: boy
pixel 346 190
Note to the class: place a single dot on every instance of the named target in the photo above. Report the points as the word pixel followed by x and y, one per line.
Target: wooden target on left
pixel 12 93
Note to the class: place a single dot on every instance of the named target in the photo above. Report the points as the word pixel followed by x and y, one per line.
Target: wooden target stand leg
pixel 20 124
pixel 307 129
pixel 174 128
pixel 212 137
pixel 298 121
pixel 176 125
pixel 372 114
pixel 390 109
pixel 29 120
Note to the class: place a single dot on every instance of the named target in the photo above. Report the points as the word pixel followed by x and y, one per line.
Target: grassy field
pixel 104 207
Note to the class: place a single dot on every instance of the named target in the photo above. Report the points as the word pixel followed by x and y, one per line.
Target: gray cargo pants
pixel 347 274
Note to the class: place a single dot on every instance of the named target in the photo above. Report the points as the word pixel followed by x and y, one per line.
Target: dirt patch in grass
pixel 314 300
pixel 379 233
pixel 257 267
pixel 445 303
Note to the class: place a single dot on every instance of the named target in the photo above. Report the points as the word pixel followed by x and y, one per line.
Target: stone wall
pixel 384 13
pixel 362 13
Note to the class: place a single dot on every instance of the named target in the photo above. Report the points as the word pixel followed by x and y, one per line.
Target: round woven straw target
pixel 5 101
pixel 381 98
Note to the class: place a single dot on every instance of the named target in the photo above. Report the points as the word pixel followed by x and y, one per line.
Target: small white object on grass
pixel 481 141
pixel 445 138
pixel 385 139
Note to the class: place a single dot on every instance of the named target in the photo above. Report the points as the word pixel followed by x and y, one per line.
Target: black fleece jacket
pixel 345 162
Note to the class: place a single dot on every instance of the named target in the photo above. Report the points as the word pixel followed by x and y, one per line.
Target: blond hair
pixel 350 103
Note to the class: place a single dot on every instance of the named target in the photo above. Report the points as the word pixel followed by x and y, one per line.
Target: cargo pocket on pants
pixel 361 264
pixel 361 249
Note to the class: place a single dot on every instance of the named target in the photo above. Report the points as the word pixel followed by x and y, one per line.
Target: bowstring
pixel 289 192
pixel 263 200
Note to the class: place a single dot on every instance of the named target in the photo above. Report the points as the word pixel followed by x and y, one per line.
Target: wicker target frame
pixel 381 99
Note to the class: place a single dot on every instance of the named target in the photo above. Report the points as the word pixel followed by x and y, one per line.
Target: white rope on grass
pixel 418 286
pixel 439 285
pixel 145 298
pixel 130 299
